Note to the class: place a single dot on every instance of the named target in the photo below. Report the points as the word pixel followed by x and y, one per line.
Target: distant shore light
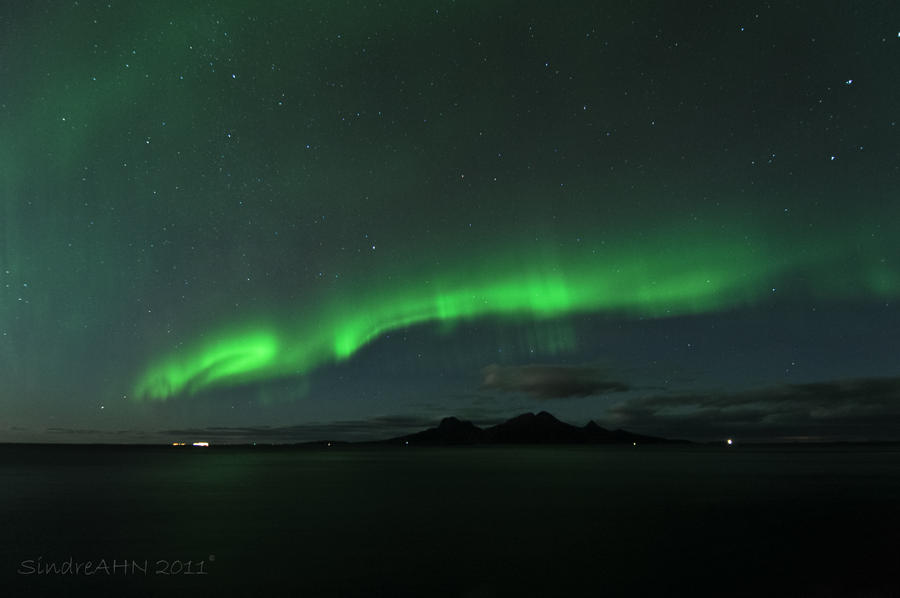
pixel 729 442
pixel 201 443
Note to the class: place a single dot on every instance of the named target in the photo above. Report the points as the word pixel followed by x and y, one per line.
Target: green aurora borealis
pixel 681 279
pixel 237 215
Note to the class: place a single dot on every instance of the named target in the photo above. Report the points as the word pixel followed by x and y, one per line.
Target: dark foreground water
pixel 493 521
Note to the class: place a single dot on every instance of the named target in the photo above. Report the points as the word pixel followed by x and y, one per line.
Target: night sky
pixel 289 221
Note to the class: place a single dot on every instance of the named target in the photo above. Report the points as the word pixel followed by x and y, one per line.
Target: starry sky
pixel 288 221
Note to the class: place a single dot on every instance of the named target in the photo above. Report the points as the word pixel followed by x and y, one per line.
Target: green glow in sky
pixel 671 277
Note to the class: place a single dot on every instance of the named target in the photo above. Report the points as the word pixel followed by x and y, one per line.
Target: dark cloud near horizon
pixel 91 431
pixel 551 381
pixel 855 409
pixel 376 428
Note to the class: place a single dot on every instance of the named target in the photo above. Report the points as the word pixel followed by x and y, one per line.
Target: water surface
pixel 490 521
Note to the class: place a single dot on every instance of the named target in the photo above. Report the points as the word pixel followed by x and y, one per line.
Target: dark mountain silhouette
pixel 527 428
pixel 449 431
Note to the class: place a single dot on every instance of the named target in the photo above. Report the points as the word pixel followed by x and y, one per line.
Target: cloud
pixel 92 432
pixel 375 428
pixel 550 381
pixel 64 435
pixel 856 409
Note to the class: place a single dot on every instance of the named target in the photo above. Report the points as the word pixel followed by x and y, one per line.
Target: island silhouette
pixel 528 428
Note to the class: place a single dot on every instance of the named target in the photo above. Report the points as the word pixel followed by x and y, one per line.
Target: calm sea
pixel 491 521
